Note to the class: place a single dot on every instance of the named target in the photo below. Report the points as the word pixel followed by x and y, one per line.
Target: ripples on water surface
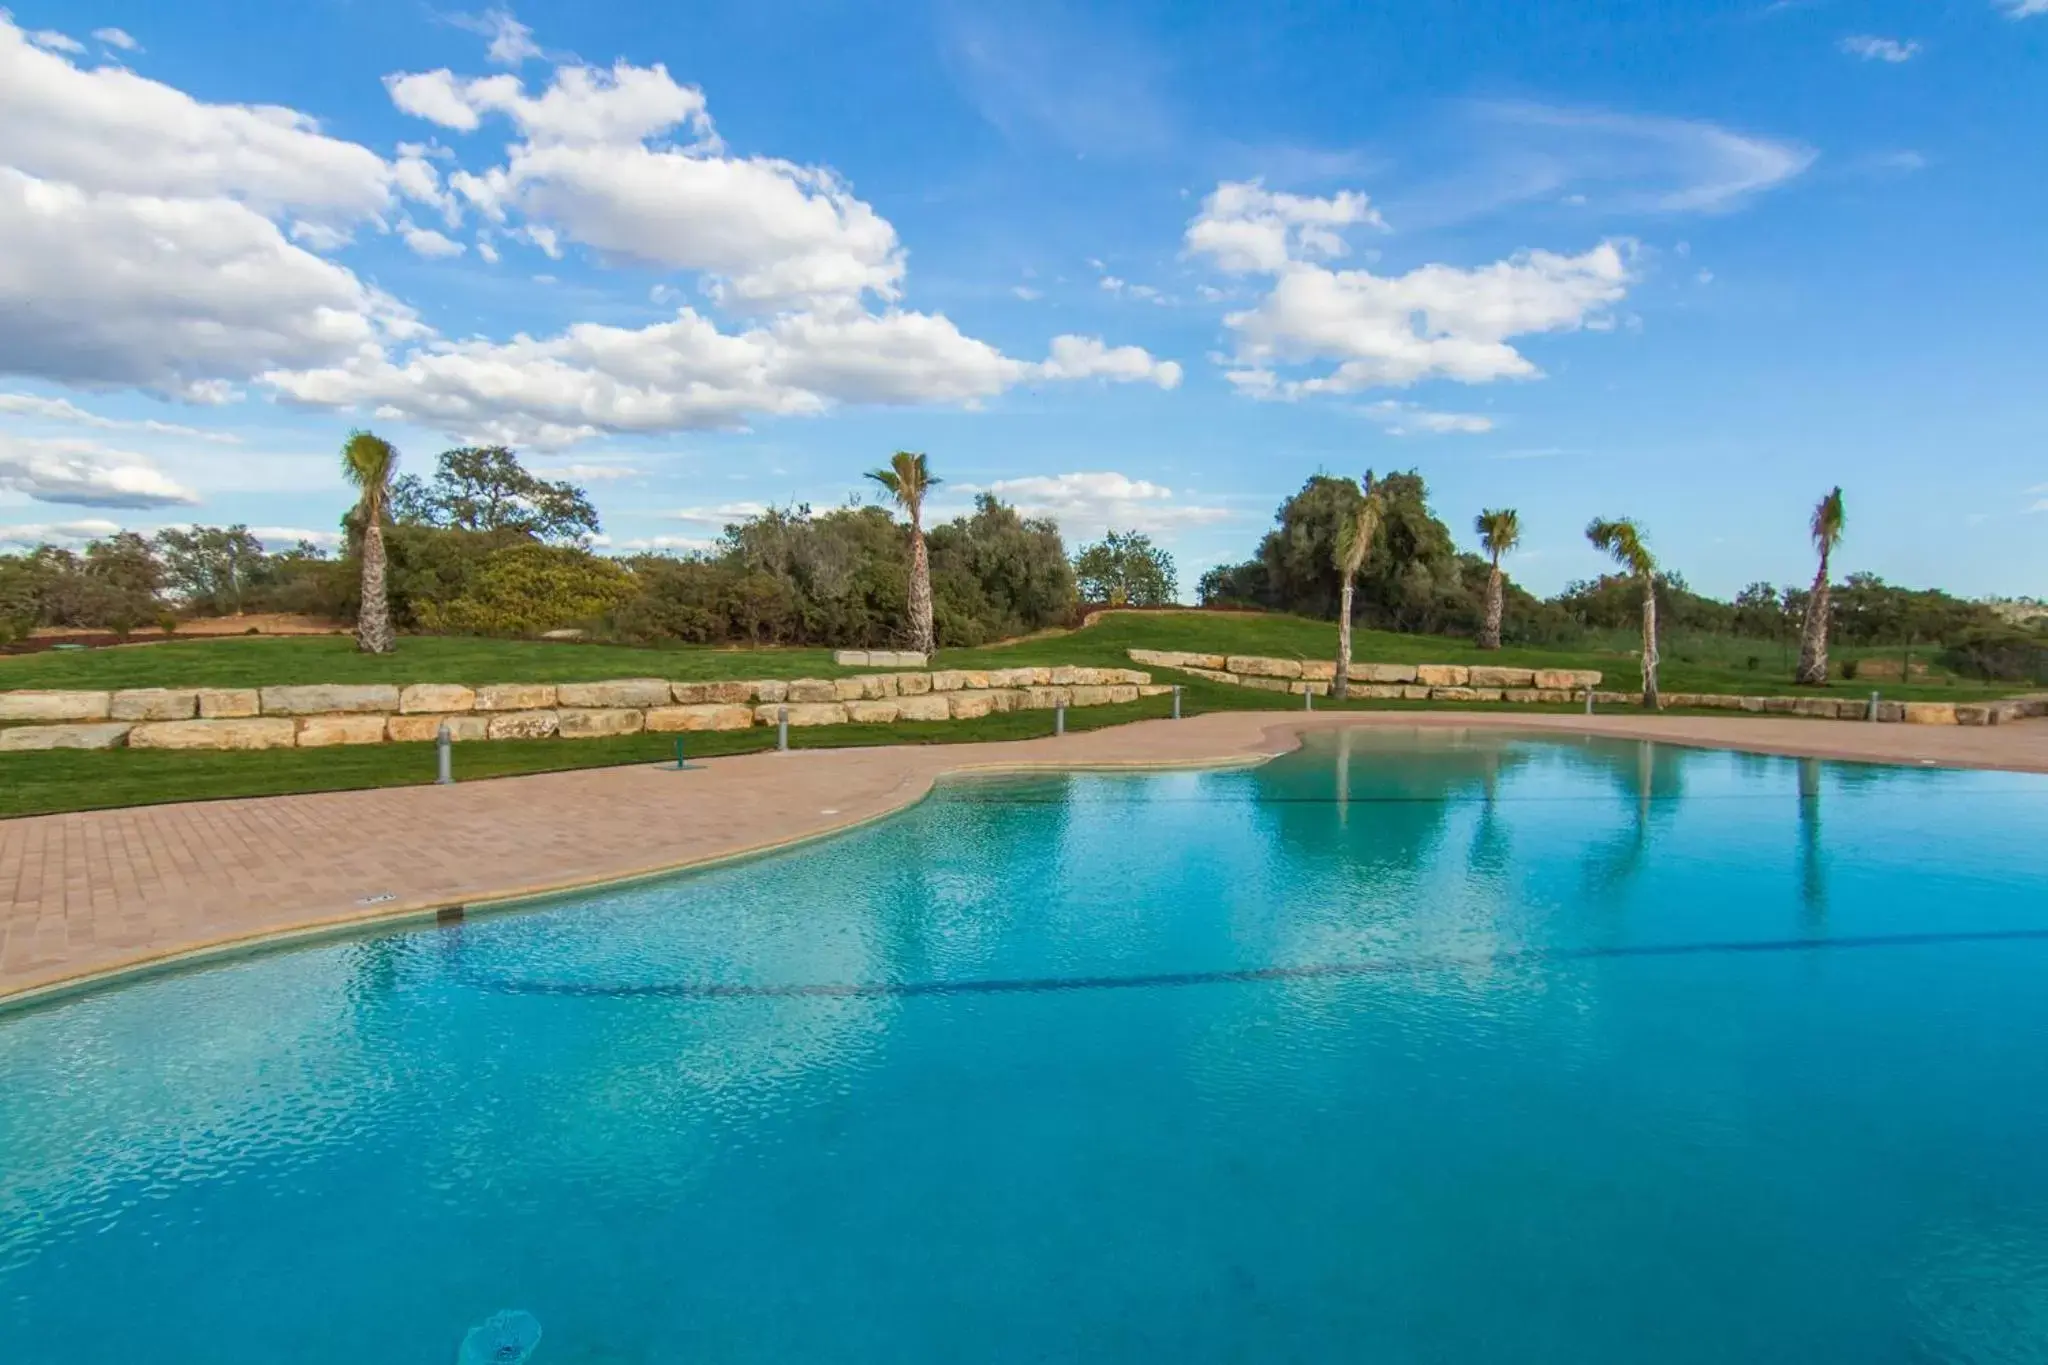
pixel 1402 1048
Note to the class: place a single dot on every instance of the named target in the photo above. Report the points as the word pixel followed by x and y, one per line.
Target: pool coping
pixel 1271 735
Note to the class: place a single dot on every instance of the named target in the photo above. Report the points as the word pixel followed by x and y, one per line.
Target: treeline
pixel 1415 579
pixel 486 547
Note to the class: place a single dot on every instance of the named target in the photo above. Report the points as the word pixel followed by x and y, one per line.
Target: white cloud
pixel 687 374
pixel 511 41
pixel 1247 229
pixel 175 295
pixel 321 236
pixel 1087 504
pixel 65 533
pixel 117 38
pixel 1408 419
pixel 2022 9
pixel 719 516
pixel 62 410
pixel 50 40
pixel 488 252
pixel 655 544
pixel 586 473
pixel 1436 321
pixel 429 243
pixel 1874 49
pixel 84 473
pixel 277 538
pixel 1026 292
pixel 109 129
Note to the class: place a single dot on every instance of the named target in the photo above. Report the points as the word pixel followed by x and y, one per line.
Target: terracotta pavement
pixel 88 894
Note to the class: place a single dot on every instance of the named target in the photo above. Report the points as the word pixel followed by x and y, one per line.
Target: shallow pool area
pixel 1408 1046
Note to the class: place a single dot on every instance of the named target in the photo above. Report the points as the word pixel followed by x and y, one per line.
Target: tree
pixel 1622 540
pixel 1354 543
pixel 368 462
pixel 1499 532
pixel 211 567
pixel 1826 527
pixel 1125 569
pixel 908 479
pixel 485 488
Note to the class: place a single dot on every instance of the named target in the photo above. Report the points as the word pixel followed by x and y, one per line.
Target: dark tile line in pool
pixel 712 990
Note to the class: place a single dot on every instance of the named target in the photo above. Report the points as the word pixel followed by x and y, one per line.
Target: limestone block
pixel 711 693
pixel 1414 692
pixel 599 722
pixel 873 712
pixel 616 694
pixel 850 658
pixel 1555 696
pixel 1976 713
pixel 809 690
pixel 1384 673
pixel 700 716
pixel 969 705
pixel 54 705
pixel 463 728
pixel 437 698
pixel 1259 667
pixel 1320 689
pixel 1818 708
pixel 1379 691
pixel 154 703
pixel 1216 661
pixel 850 689
pixel 1044 698
pixel 1781 706
pixel 1624 698
pixel 515 697
pixel 1930 713
pixel 895 658
pixel 1319 670
pixel 1010 677
pixel 1214 675
pixel 924 706
pixel 1123 692
pixel 1262 684
pixel 1155 689
pixel 772 690
pixel 1490 676
pixel 804 713
pixel 1453 693
pixel 1489 694
pixel 318 732
pixel 524 724
pixel 1160 658
pixel 325 699
pixel 229 703
pixel 1522 696
pixel 17 738
pixel 1442 675
pixel 268 732
pixel 913 684
pixel 948 680
pixel 1891 712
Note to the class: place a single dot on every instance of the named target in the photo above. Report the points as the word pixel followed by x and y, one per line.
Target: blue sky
pixel 1134 265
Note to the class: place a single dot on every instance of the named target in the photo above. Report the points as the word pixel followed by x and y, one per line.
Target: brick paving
pixel 86 894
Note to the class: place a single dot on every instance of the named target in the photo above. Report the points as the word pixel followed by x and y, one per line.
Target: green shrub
pixel 528 588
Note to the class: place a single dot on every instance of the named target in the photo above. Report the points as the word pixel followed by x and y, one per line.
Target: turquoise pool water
pixel 1436 1048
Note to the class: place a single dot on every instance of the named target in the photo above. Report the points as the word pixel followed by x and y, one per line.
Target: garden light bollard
pixel 1872 715
pixel 682 762
pixel 1059 719
pixel 1176 702
pixel 444 754
pixel 1308 700
pixel 782 729
pixel 1589 701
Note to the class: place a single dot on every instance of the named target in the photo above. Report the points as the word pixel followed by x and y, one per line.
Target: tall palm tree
pixel 1354 541
pixel 1827 526
pixel 1623 540
pixel 1499 532
pixel 368 462
pixel 908 480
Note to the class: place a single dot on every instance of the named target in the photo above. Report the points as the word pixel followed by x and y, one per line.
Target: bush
pixel 526 589
pixel 1999 654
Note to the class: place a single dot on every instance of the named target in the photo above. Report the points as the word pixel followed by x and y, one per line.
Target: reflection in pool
pixel 1438 1046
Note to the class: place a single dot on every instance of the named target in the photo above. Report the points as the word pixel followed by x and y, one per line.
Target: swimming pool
pixel 1445 1046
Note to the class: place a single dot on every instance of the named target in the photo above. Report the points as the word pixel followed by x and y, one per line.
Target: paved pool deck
pixel 96 893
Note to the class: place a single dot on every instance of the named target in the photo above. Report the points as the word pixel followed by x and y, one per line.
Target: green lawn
pixel 1709 665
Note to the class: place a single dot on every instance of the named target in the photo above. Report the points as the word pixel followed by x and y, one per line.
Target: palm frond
pixel 1622 540
pixel 1500 530
pixel 907 477
pixel 1829 521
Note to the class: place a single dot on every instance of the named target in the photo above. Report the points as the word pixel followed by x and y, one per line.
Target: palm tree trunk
pixel 373 617
pixel 920 594
pixel 1341 685
pixel 1649 644
pixel 1489 634
pixel 1813 632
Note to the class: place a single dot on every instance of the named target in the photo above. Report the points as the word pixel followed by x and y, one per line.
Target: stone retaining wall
pixel 1479 682
pixel 327 714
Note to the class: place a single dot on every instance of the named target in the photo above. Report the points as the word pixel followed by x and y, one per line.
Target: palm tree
pixel 368 462
pixel 1354 541
pixel 1623 540
pixel 1827 524
pixel 908 480
pixel 1499 532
